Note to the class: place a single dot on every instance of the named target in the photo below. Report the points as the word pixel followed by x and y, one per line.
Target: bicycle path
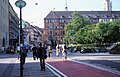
pixel 74 69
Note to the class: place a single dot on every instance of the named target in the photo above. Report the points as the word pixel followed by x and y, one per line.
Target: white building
pixel 107 5
pixel 32 34
pixel 4 23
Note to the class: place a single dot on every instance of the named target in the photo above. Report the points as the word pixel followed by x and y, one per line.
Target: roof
pixel 67 14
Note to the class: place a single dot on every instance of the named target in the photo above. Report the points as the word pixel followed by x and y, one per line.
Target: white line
pixel 56 70
pixel 52 71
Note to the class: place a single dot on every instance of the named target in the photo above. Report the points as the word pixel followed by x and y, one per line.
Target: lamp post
pixel 20 4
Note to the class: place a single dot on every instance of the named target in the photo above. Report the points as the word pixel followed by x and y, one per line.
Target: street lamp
pixel 20 4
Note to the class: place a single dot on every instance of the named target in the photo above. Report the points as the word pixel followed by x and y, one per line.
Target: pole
pixel 21 64
pixel 21 4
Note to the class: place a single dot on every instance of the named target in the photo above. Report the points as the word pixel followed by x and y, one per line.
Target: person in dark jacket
pixel 23 55
pixel 42 55
pixel 34 51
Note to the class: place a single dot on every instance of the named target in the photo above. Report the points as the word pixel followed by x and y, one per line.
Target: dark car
pixel 86 50
pixel 10 50
pixel 114 49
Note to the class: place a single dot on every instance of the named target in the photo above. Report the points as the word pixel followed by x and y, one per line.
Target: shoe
pixel 43 69
pixel 34 58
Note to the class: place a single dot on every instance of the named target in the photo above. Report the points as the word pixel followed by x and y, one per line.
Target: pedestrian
pixel 49 51
pixel 23 55
pixel 3 49
pixel 64 51
pixel 34 52
pixel 57 50
pixel 42 56
pixel 18 51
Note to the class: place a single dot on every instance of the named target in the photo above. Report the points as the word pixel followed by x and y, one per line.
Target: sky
pixel 35 14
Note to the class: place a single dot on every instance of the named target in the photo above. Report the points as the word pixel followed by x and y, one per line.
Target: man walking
pixel 42 55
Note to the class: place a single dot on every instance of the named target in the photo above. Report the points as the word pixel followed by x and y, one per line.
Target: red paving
pixel 73 69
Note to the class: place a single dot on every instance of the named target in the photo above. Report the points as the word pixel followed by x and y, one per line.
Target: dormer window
pixel 113 16
pixel 62 16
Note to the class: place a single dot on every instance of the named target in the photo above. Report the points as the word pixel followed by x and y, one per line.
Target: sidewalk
pixel 7 62
pixel 31 69
pixel 10 67
pixel 55 67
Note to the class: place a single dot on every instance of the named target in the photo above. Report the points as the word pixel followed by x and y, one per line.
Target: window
pixel 55 38
pixel 46 21
pixel 62 16
pixel 69 17
pixel 55 33
pixel 50 32
pixel 111 20
pixel 55 20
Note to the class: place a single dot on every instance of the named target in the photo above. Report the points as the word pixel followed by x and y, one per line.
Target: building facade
pixel 4 23
pixel 55 21
pixel 107 5
pixel 33 35
pixel 13 26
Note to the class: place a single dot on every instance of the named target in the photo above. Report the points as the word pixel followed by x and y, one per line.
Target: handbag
pixel 45 56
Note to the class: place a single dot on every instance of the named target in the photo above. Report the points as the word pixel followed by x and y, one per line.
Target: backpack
pixel 24 53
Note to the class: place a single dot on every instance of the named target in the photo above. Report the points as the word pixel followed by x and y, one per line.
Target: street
pixel 106 61
pixel 56 67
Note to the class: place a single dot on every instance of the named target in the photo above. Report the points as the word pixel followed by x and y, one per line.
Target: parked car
pixel 78 48
pixel 86 50
pixel 114 49
pixel 10 50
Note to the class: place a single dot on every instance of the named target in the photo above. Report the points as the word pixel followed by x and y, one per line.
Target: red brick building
pixel 55 21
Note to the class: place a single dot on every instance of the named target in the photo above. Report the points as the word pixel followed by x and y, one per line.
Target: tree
pixel 99 33
pixel 86 33
pixel 74 26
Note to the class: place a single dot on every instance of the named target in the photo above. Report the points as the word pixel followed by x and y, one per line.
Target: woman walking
pixel 49 51
pixel 57 50
pixel 64 52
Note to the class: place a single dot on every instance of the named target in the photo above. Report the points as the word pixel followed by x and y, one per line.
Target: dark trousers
pixel 49 54
pixel 23 61
pixel 42 64
pixel 34 55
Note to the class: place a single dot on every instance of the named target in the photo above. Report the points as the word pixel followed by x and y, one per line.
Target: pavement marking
pixel 55 71
pixel 109 70
pixel 52 71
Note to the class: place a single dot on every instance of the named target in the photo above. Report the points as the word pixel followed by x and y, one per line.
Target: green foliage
pixel 80 30
pixel 74 26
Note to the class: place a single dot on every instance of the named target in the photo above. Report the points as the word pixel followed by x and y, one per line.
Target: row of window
pixel 106 20
pixel 99 16
pixel 2 27
pixel 56 33
pixel 61 20
pixel 5 1
pixel 55 27
pixel 3 13
pixel 56 38
pixel 102 20
pixel 92 20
